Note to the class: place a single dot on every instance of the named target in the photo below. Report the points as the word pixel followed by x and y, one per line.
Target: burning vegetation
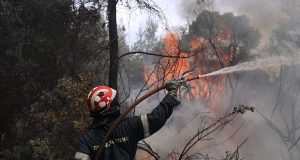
pixel 203 54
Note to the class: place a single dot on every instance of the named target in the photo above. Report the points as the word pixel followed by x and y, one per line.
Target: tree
pixel 113 44
pixel 234 31
pixel 113 33
pixel 40 43
pixel 147 40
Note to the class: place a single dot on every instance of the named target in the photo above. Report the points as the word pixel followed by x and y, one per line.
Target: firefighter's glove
pixel 172 87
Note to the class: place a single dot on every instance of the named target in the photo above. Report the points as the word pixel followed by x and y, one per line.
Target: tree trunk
pixel 113 44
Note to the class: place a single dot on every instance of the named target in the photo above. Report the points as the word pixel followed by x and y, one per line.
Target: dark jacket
pixel 123 142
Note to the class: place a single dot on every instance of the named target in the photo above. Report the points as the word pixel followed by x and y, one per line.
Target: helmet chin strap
pixel 114 102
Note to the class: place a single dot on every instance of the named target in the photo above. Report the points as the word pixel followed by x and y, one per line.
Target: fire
pixel 175 67
pixel 168 68
pixel 205 56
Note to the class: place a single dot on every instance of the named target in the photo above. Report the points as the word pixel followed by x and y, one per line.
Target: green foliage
pixel 16 153
pixel 40 43
pixel 60 116
pixel 133 70
pixel 146 38
pixel 147 41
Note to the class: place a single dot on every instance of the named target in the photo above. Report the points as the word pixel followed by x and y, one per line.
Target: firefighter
pixel 123 141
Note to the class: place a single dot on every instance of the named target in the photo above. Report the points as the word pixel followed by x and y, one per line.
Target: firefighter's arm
pixel 158 117
pixel 155 120
pixel 145 125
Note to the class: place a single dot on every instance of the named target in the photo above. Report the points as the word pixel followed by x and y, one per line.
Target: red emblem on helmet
pixel 100 98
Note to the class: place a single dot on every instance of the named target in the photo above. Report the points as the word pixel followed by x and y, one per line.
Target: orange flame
pixel 168 68
pixel 206 57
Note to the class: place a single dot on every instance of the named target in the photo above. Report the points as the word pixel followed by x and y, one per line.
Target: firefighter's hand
pixel 172 87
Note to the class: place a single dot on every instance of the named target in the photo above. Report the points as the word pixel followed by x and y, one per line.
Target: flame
pixel 205 56
pixel 175 66
pixel 169 68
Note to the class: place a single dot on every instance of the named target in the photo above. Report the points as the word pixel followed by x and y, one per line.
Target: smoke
pixel 186 120
pixel 264 15
pixel 253 88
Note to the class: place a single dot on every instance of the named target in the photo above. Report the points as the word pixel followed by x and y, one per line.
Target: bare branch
pixel 151 54
pixel 295 143
pixel 201 135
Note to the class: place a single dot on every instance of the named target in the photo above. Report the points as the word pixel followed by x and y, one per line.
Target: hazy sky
pixel 134 19
pixel 263 14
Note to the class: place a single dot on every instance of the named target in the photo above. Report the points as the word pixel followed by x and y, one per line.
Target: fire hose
pixel 182 80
